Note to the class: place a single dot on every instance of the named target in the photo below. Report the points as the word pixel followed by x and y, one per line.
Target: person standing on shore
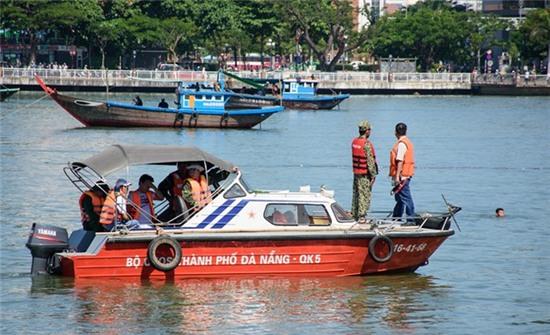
pixel 365 170
pixel 401 172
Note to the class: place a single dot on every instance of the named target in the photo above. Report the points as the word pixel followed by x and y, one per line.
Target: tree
pixel 482 30
pixel 536 32
pixel 260 22
pixel 325 26
pixel 172 32
pixel 430 31
pixel 106 32
pixel 35 18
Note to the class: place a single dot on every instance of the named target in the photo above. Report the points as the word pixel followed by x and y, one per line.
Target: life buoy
pixel 372 248
pixel 166 264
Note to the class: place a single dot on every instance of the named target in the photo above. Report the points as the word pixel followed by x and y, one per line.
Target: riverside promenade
pixel 343 81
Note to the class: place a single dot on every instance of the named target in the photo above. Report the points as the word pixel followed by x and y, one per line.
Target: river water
pixel 480 152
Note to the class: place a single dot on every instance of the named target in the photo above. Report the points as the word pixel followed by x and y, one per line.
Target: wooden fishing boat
pixel 294 93
pixel 240 232
pixel 7 92
pixel 195 109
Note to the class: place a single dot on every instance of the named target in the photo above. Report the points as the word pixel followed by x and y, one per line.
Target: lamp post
pixel 72 52
pixel 271 45
pixel 390 67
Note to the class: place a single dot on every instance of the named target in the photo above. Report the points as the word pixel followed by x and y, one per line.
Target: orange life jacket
pixel 359 155
pixel 408 160
pixel 200 191
pixel 135 198
pixel 108 210
pixel 97 202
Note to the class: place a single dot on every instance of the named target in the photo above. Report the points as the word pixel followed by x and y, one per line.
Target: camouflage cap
pixel 364 124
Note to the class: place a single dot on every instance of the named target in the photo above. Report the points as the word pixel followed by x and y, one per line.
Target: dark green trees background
pixel 431 31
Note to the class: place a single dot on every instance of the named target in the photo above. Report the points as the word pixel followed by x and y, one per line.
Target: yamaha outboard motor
pixel 44 241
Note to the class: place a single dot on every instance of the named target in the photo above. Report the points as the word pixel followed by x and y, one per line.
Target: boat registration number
pixel 399 247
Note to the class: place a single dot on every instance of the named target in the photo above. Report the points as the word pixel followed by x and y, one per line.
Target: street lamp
pixel 72 52
pixel 390 67
pixel 271 45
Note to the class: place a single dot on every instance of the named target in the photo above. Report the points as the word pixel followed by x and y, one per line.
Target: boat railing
pixel 187 213
pixel 421 221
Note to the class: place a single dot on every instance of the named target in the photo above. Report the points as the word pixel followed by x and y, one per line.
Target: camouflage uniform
pixel 362 186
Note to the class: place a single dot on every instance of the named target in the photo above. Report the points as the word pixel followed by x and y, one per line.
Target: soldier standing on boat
pixel 365 170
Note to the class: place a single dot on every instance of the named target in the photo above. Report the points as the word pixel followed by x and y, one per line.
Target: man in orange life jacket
pixel 91 203
pixel 141 206
pixel 365 170
pixel 195 190
pixel 114 210
pixel 401 172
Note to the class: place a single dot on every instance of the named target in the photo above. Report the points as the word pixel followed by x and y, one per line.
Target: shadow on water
pixel 398 302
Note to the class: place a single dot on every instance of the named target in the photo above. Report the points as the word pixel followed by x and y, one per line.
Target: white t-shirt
pixel 401 151
pixel 121 205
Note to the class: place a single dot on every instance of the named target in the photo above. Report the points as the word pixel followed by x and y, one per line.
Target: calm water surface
pixel 481 152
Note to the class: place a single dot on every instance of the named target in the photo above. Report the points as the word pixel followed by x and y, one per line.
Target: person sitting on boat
pixel 171 187
pixel 91 203
pixel 196 192
pixel 114 211
pixel 163 103
pixel 275 90
pixel 278 217
pixel 137 101
pixel 141 206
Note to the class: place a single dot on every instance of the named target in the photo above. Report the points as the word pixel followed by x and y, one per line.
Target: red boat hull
pixel 216 259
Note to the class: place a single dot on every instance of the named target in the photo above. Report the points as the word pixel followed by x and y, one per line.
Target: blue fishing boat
pixel 295 93
pixel 197 107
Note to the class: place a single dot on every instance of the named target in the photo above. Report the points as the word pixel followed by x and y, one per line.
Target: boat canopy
pixel 119 157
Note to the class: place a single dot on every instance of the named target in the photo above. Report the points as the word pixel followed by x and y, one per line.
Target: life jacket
pixel 97 202
pixel 108 210
pixel 135 198
pixel 200 191
pixel 408 160
pixel 359 155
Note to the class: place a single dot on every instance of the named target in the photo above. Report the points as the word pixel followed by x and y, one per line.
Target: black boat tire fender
pixel 372 246
pixel 155 261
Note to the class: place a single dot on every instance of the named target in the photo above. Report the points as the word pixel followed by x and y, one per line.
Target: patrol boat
pixel 240 232
pixel 195 109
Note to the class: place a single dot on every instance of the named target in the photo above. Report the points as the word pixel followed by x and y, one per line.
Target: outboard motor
pixel 44 241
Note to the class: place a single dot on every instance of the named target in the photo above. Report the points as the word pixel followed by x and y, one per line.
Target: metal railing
pixel 509 79
pixel 342 76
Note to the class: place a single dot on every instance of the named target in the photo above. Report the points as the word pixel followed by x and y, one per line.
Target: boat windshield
pixel 341 214
pixel 245 185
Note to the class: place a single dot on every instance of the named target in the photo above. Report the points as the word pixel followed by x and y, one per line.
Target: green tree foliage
pixel 430 32
pixel 533 36
pixel 325 26
pixel 34 18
